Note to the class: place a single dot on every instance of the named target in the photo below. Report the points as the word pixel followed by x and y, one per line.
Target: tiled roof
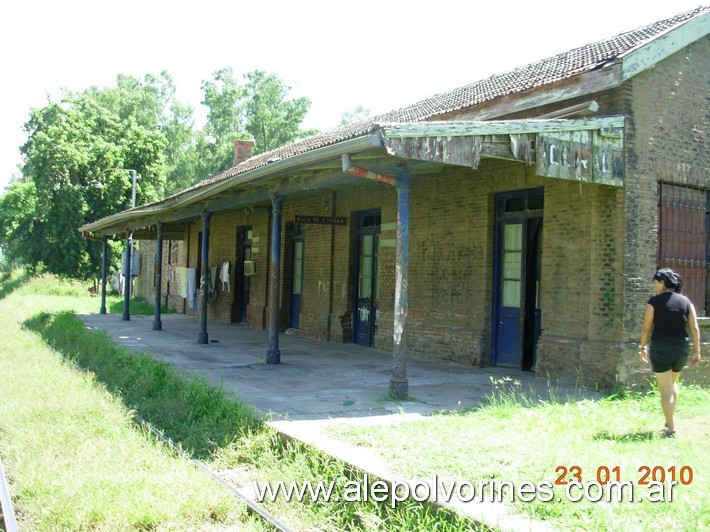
pixel 546 71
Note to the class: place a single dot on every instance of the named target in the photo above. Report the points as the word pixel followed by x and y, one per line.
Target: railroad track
pixel 254 507
pixel 8 523
pixel 7 513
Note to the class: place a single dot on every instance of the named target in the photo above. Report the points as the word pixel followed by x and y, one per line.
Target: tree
pixel 271 119
pixel 80 149
pixel 18 223
pixel 224 99
pixel 181 158
pixel 354 115
pixel 73 148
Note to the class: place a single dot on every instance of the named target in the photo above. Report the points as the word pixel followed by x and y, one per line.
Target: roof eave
pixel 649 54
pixel 121 221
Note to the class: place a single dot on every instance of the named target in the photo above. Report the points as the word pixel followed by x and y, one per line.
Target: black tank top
pixel 670 315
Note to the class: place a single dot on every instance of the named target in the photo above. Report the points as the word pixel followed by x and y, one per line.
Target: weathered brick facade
pixel 599 248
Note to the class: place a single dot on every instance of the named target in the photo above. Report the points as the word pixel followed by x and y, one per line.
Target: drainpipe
pixel 273 355
pixel 399 384
pixel 202 337
pixel 127 276
pixel 104 261
pixel 157 323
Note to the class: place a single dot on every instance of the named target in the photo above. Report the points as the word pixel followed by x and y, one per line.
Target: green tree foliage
pixel 80 149
pixel 258 108
pixel 181 155
pixel 270 118
pixel 224 99
pixel 18 223
pixel 76 156
pixel 354 115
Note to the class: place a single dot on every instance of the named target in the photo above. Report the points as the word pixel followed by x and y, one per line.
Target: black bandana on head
pixel 669 278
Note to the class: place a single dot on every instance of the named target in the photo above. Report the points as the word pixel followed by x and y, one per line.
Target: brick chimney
pixel 242 151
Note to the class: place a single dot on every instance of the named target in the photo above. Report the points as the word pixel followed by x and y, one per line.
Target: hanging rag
pixel 224 275
pixel 214 270
pixel 192 288
pixel 182 281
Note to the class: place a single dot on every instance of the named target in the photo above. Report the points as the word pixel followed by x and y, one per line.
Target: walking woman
pixel 669 317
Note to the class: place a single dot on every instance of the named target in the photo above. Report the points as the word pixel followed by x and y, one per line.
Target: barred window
pixel 683 219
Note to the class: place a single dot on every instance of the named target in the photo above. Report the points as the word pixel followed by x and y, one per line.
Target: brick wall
pixel 222 248
pixel 599 242
pixel 317 267
pixel 666 141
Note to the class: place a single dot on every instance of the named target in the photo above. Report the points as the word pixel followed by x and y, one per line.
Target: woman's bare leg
pixel 668 388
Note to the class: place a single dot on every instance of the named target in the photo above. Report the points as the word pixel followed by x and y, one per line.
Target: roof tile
pixel 546 71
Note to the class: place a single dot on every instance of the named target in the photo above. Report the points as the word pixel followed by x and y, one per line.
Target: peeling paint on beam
pixel 462 151
pixel 500 127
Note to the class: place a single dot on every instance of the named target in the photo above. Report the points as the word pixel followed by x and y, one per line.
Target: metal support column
pixel 402 182
pixel 104 262
pixel 399 384
pixel 202 337
pixel 127 276
pixel 157 323
pixel 273 355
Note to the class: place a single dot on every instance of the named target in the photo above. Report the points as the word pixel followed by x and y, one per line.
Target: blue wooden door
pixel 245 281
pixel 509 329
pixel 242 282
pixel 367 278
pixel 517 314
pixel 297 283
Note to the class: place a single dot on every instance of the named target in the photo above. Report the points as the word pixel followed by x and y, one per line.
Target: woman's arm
pixel 646 332
pixel 695 335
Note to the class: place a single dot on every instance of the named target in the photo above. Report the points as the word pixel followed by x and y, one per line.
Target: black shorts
pixel 669 354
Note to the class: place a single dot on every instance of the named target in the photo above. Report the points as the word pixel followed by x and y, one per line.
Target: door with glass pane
pixel 510 294
pixel 242 281
pixel 367 282
pixel 517 314
pixel 297 283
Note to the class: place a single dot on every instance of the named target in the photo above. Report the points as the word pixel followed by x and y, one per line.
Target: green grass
pixel 138 305
pixel 199 416
pixel 223 432
pixel 79 459
pixel 74 457
pixel 515 439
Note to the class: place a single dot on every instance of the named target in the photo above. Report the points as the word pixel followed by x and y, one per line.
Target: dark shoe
pixel 665 433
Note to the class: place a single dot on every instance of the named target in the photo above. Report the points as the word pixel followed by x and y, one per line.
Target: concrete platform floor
pixel 316 379
pixel 319 383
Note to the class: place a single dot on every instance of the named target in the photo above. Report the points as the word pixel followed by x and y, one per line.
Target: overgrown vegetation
pixel 204 420
pixel 73 454
pixel 91 153
pixel 515 438
pixel 511 438
pixel 138 305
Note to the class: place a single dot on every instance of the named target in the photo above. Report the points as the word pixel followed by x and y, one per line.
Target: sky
pixel 378 54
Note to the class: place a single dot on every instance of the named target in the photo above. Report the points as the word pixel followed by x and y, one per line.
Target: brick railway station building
pixel 516 221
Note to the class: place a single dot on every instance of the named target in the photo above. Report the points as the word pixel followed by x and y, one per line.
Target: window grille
pixel 683 217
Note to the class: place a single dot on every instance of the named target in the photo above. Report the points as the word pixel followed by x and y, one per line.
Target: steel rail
pixel 253 506
pixel 8 513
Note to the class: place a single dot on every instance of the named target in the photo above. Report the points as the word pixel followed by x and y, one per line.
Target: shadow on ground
pixel 8 285
pixel 628 437
pixel 193 413
pixel 204 420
